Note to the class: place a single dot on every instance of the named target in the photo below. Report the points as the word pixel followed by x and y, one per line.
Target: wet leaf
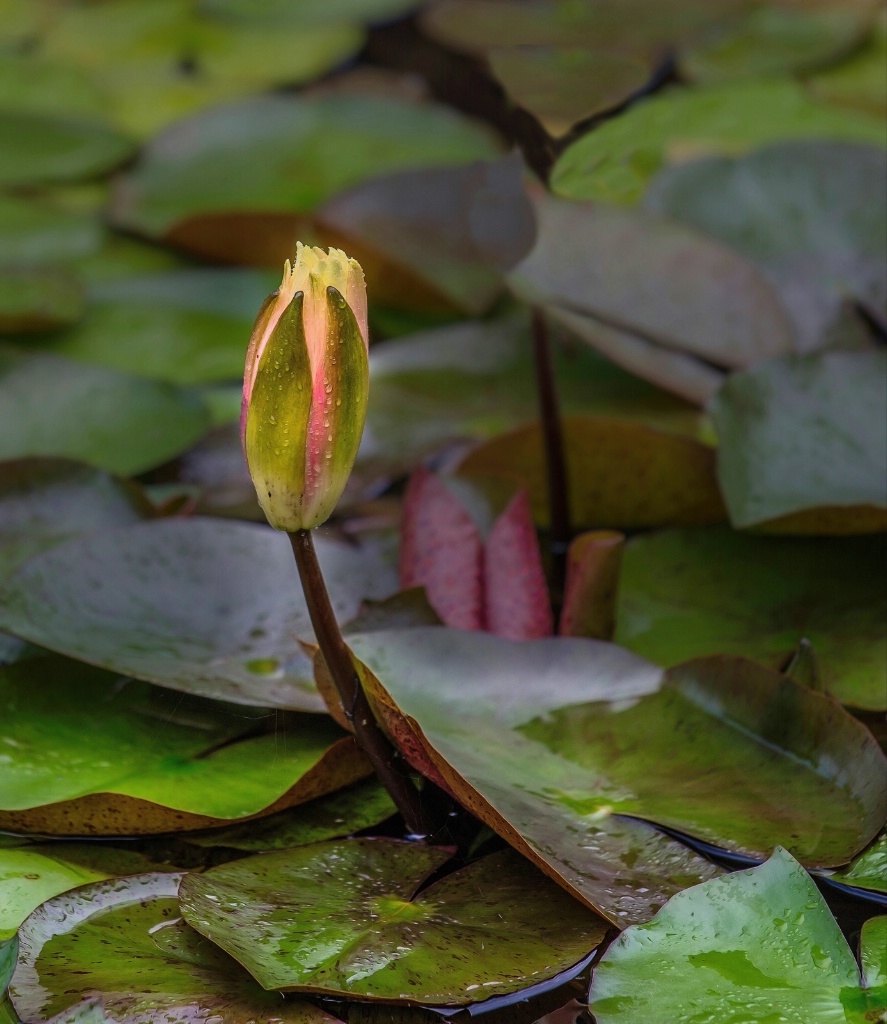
pixel 772 39
pixel 868 870
pixel 280 156
pixel 753 946
pixel 873 956
pixel 811 215
pixel 455 703
pixel 616 161
pixel 199 605
pixel 33 232
pixel 685 593
pixel 561 86
pixel 118 951
pixel 44 501
pixel 36 300
pixel 184 326
pixel 801 433
pixel 139 760
pixel 476 379
pixel 621 474
pixel 645 276
pixel 760 756
pixel 43 149
pixel 344 919
pixel 342 813
pixel 30 875
pixel 53 406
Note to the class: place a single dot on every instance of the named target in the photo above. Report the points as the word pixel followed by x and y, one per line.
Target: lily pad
pixel 43 501
pixel 30 875
pixel 861 81
pixel 360 806
pixel 801 433
pixel 758 945
pixel 199 605
pixel 118 951
pixel 811 215
pixel 34 232
pixel 286 155
pixel 44 149
pixel 686 593
pixel 616 161
pixel 868 870
pixel 454 701
pixel 345 919
pixel 139 760
pixel 53 406
pixel 33 300
pixel 184 326
pixel 620 474
pixel 650 277
pixel 585 761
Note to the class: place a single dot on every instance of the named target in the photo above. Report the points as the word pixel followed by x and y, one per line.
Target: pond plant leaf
pixel 357 807
pixel 873 955
pixel 140 760
pixel 641 276
pixel 752 946
pixel 803 433
pixel 56 407
pixel 810 214
pixel 38 232
pixel 685 594
pixel 278 155
pixel 621 474
pixel 868 870
pixel 454 702
pixel 118 952
pixel 345 919
pixel 552 742
pixel 490 579
pixel 34 300
pixel 860 82
pixel 616 161
pixel 200 605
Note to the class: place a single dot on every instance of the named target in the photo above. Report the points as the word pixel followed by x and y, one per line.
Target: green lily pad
pixel 804 432
pixel 811 215
pixel 616 161
pixel 33 300
pixel 43 149
pixel 861 81
pixel 118 951
pixel 138 759
pixel 760 757
pixel 39 232
pixel 360 806
pixel 344 919
pixel 184 326
pixel 438 386
pixel 53 406
pixel 868 870
pixel 754 946
pixel 647 277
pixel 285 155
pixel 200 605
pixel 31 85
pixel 44 501
pixel 465 696
pixel 30 875
pixel 686 593
pixel 873 955
pixel 772 40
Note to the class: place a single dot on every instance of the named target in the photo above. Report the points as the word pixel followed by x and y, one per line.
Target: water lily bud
pixel 305 388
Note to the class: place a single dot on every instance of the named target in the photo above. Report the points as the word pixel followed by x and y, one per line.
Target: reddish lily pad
pixel 345 919
pixel 621 474
pixel 199 605
pixel 118 951
pixel 138 759
pixel 756 945
pixel 552 742
pixel 686 593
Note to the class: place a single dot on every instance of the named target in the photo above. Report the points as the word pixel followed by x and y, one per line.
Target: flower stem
pixel 382 755
pixel 555 463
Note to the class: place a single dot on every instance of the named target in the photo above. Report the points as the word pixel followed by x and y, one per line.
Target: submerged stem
pixel 555 462
pixel 371 739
